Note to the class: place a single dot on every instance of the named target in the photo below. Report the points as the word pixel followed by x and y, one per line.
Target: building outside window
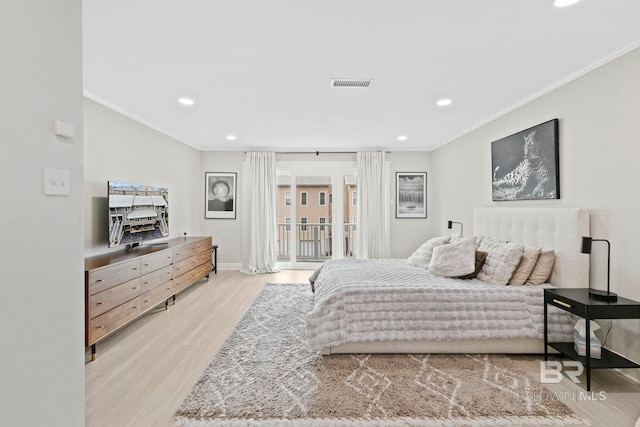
pixel 322 221
pixel 322 198
pixel 303 198
pixel 303 220
pixel 287 198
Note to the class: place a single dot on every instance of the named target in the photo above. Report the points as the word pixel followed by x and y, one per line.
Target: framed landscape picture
pixel 411 194
pixel 220 195
pixel 526 165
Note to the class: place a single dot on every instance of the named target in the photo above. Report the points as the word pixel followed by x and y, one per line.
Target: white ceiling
pixel 261 69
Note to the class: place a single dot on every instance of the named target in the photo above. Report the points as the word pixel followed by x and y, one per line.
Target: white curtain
pixel 259 254
pixel 373 206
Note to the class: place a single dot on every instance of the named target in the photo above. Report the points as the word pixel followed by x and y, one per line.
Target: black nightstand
pixel 577 301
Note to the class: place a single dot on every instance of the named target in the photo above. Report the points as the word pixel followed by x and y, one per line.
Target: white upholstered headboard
pixel 560 229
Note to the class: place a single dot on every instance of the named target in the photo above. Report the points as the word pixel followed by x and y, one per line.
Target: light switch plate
pixel 56 182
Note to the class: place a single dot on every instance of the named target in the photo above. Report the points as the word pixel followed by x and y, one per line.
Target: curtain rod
pixel 317 153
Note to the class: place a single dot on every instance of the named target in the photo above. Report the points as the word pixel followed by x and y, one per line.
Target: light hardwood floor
pixel 143 372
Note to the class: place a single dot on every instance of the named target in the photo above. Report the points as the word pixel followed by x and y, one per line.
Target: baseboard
pixel 229 266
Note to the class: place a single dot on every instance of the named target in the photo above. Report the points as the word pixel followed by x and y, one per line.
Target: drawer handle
pixel 134 288
pixel 146 265
pixel 562 303
pixel 146 300
pixel 146 283
pixel 100 327
pixel 99 281
pixel 99 303
pixel 134 268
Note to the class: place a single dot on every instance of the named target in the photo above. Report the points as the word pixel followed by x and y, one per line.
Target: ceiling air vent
pixel 351 83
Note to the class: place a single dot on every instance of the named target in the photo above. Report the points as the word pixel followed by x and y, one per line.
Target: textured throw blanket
pixel 384 300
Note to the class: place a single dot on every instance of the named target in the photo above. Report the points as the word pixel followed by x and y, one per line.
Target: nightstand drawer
pixel 566 304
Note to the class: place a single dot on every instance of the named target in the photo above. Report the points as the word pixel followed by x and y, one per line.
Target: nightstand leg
pixel 588 351
pixel 546 353
pixel 93 352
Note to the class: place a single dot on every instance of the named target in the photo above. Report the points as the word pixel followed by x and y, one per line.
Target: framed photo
pixel 220 195
pixel 411 194
pixel 526 165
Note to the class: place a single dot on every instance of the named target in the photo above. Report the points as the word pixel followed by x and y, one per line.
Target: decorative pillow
pixel 456 238
pixel 528 261
pixel 480 258
pixel 502 260
pixel 542 269
pixel 422 256
pixel 454 259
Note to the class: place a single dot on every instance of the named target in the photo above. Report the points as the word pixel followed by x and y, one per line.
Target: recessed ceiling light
pixel 402 138
pixel 231 137
pixel 444 102
pixel 186 101
pixel 564 3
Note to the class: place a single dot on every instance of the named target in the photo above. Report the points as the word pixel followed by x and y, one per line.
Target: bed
pixel 389 306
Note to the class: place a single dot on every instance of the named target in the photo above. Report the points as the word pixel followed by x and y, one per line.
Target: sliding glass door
pixel 315 212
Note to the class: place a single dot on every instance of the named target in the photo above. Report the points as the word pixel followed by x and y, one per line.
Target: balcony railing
pixel 313 241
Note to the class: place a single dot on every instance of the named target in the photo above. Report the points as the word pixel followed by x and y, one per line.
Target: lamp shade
pixel 586 245
pixel 449 224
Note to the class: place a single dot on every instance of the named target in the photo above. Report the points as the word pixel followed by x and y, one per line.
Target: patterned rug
pixel 266 375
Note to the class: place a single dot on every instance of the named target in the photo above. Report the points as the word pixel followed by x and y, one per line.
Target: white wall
pixel 42 315
pixel 121 149
pixel 599 157
pixel 406 234
pixel 227 233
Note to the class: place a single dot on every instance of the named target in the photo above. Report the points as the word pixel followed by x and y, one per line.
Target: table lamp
pixel 596 293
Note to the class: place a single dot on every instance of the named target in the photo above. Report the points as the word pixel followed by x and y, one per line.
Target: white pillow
pixel 502 260
pixel 422 256
pixel 456 238
pixel 454 259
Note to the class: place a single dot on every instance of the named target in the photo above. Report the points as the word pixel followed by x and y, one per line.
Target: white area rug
pixel 266 375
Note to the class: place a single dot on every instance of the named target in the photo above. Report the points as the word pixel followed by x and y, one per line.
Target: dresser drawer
pixel 181 282
pixel 184 252
pixel 203 245
pixel 202 270
pixel 155 261
pixel 113 297
pixel 180 268
pixel 203 257
pixel 156 296
pixel 156 278
pixel 110 276
pixel 112 320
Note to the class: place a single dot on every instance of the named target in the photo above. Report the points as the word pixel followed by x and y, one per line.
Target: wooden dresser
pixel 122 286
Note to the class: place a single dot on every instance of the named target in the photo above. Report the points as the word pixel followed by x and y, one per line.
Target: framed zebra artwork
pixel 411 194
pixel 526 164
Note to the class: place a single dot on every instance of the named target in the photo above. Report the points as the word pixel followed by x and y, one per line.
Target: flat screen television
pixel 137 213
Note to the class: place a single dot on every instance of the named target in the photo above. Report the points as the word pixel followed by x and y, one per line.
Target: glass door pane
pixel 284 215
pixel 350 216
pixel 313 243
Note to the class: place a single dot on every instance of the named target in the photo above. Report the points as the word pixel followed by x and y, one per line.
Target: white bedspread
pixel 386 300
